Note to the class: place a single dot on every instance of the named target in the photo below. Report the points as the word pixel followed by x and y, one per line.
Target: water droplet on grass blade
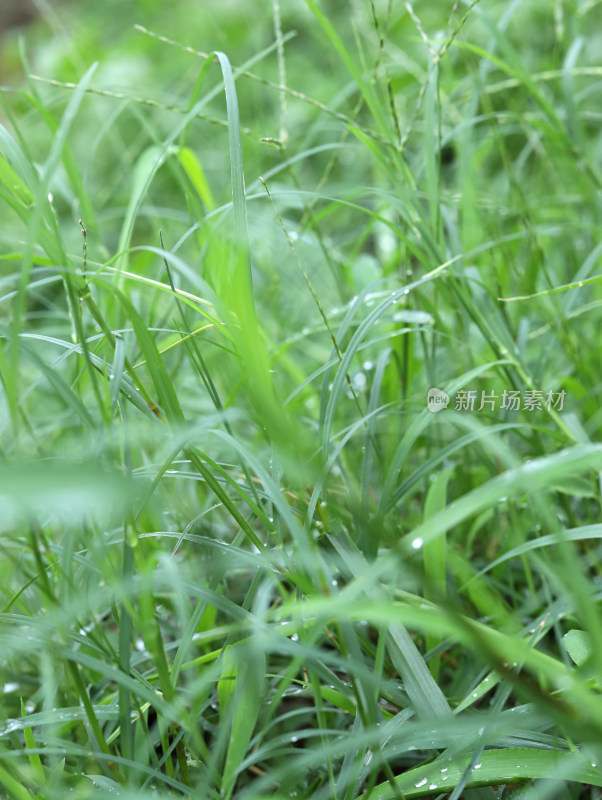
pixel 359 381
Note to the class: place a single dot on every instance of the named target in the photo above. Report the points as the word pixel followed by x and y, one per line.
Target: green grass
pixel 241 556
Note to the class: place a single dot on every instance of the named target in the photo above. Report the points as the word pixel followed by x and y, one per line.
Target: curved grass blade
pixel 494 768
pixel 537 474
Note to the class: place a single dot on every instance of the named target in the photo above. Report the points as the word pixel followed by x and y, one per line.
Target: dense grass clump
pixel 299 401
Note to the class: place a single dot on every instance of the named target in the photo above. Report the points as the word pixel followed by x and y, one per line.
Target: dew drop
pixel 359 381
pixel 417 543
pixel 421 783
